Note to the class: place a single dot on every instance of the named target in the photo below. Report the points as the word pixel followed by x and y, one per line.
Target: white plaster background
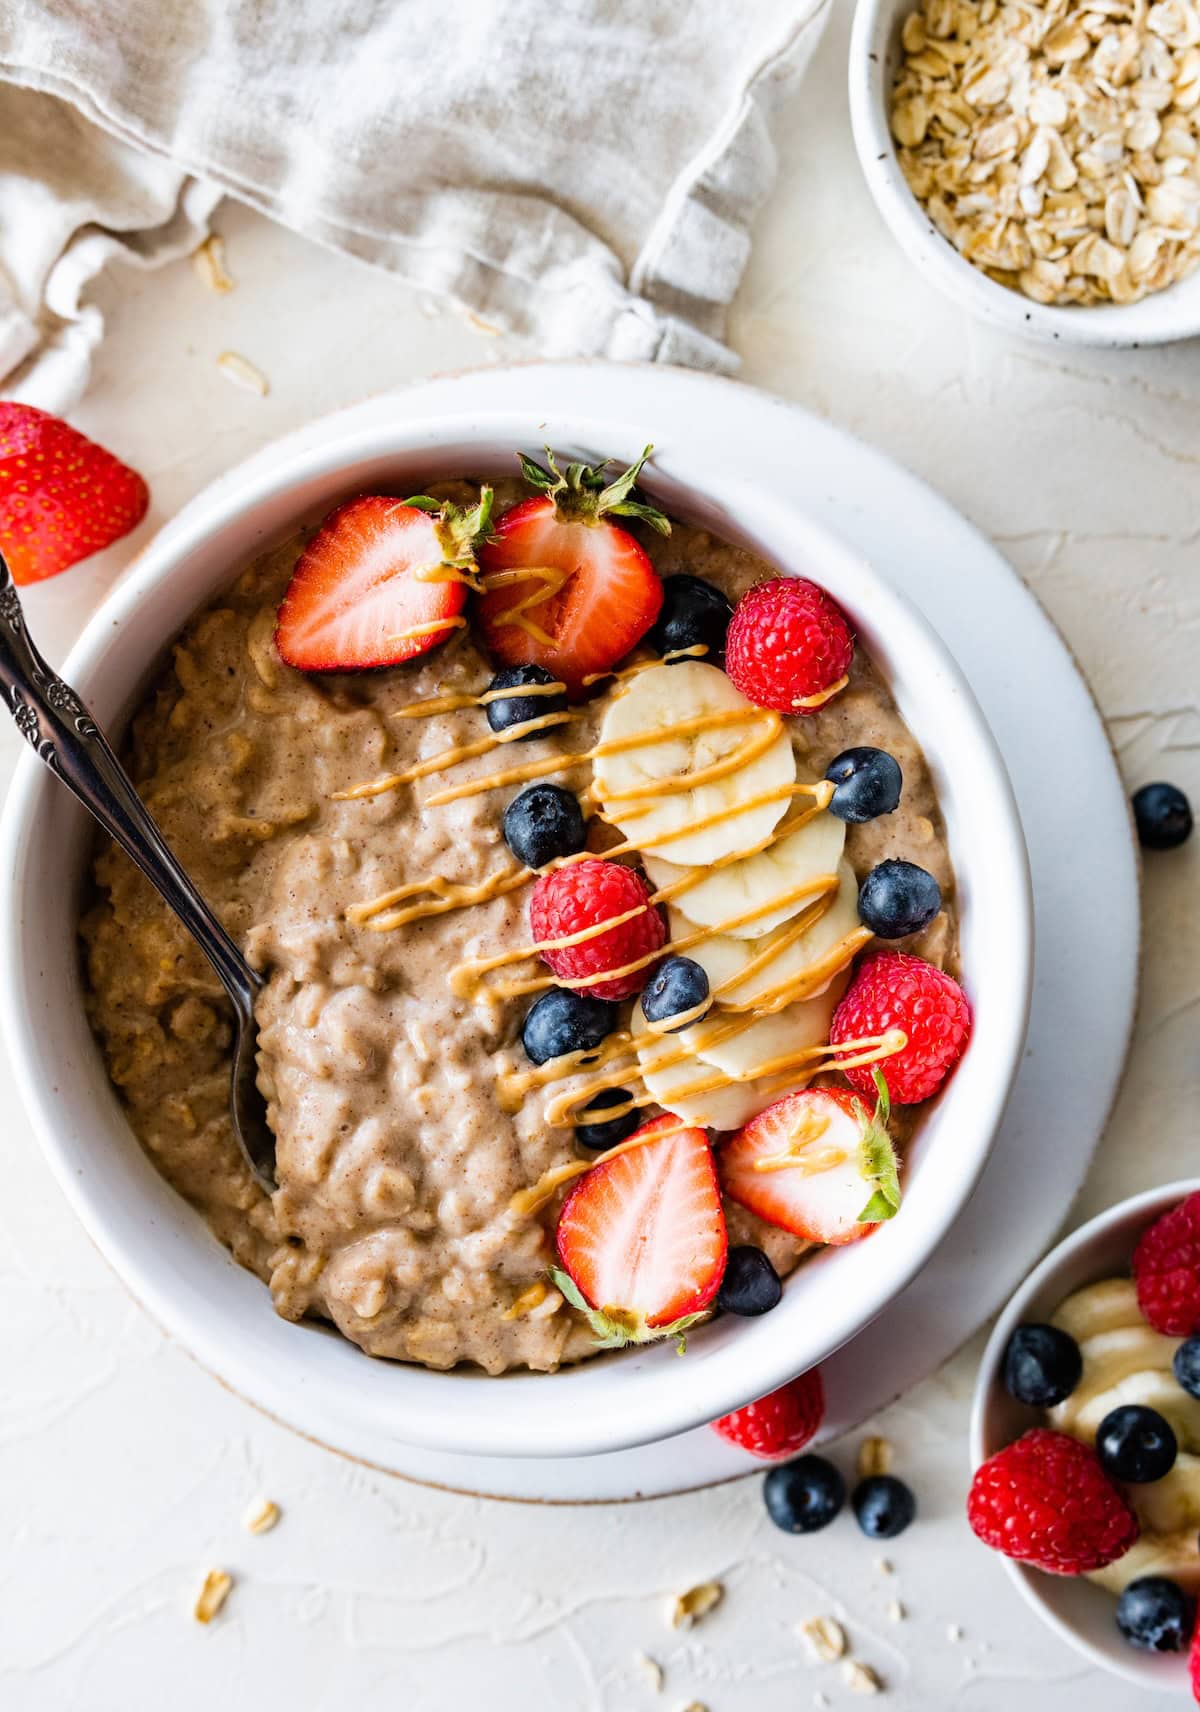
pixel 124 1470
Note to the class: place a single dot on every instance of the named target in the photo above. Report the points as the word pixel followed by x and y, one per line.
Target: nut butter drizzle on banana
pixel 435 896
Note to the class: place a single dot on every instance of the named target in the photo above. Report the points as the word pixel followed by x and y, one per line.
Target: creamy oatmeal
pixel 398 1160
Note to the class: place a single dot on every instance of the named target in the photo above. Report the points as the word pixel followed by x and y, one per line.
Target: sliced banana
pixel 666 696
pixel 1172 1555
pixel 679 1086
pixel 782 870
pixel 723 958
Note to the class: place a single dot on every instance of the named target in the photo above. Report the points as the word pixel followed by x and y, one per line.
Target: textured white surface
pixel 125 1471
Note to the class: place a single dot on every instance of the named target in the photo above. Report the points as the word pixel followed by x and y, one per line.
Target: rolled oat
pixel 1056 144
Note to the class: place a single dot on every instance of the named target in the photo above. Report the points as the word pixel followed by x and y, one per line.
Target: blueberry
pixel 898 898
pixel 867 784
pixel 1135 1443
pixel 751 1284
pixel 693 611
pixel 545 821
pixel 507 711
pixel 1042 1365
pixel 1187 1366
pixel 677 988
pixel 804 1495
pixel 883 1505
pixel 1156 1615
pixel 562 1021
pixel 1163 815
pixel 608 1133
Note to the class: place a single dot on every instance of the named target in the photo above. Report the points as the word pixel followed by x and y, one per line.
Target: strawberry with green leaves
pixel 816 1163
pixel 382 581
pixel 641 1238
pixel 565 587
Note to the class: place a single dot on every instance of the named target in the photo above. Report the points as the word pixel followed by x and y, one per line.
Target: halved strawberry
pixel 62 496
pixel 642 1236
pixel 816 1163
pixel 565 588
pixel 375 580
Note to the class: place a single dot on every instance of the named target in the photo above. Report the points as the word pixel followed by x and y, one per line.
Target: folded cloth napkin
pixel 582 173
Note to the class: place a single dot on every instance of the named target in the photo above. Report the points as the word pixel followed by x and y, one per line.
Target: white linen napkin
pixel 581 172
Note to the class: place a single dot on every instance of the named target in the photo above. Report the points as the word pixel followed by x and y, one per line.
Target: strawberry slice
pixel 62 496
pixel 642 1236
pixel 565 588
pixel 375 580
pixel 816 1163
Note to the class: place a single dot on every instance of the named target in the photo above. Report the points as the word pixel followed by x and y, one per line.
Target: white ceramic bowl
pixel 874 57
pixel 722 459
pixel 1082 1614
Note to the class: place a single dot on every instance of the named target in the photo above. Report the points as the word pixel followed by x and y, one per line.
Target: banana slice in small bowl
pixel 662 698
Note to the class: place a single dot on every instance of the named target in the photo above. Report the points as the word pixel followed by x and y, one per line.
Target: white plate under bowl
pixel 1077 1611
pixel 1085 983
pixel 914 540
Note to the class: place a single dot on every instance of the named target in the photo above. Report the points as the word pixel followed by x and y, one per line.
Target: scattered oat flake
pixel 650 1669
pixel 884 1566
pixel 480 324
pixel 860 1678
pixel 242 372
pixel 896 1611
pixel 820 1699
pixel 954 1632
pixel 209 263
pixel 874 1457
pixel 261 1517
pixel 694 1706
pixel 825 1637
pixel 212 1595
pixel 697 1602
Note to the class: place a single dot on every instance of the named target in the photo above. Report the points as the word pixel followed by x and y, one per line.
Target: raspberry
pixel 895 990
pixel 1046 1500
pixel 781 1423
pixel 787 643
pixel 1194 1664
pixel 1166 1270
pixel 579 896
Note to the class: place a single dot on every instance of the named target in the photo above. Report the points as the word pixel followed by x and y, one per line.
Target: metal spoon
pixel 65 736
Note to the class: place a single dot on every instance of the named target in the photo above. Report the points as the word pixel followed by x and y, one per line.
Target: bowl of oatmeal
pixel 1039 163
pixel 474 1207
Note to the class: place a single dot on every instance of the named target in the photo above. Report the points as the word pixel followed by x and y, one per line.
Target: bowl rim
pixel 1161 318
pixel 1146 1204
pixel 332 445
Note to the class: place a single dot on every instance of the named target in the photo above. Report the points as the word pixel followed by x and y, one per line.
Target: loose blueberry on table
pixel 804 1496
pixel 883 1506
pixel 1163 816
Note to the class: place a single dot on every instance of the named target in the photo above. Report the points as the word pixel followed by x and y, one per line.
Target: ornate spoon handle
pixel 52 718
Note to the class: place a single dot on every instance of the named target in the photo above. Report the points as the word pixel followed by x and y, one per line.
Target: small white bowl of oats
pixel 1039 160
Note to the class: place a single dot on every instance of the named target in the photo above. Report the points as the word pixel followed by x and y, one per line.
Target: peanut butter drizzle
pixel 451 757
pixel 552 580
pixel 809 981
pixel 444 895
pixel 526 1202
pixel 675 782
pixel 467 978
pixel 565 1110
pixel 811 702
pixel 806 1164
pixel 441 572
pixel 429 629
pixel 429 705
pixel 513 1085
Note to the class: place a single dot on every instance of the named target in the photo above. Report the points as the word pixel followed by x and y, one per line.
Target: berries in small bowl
pixel 1086 1439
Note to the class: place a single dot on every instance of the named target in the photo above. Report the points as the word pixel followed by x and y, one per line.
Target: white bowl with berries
pixel 804 1164
pixel 1085 1439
